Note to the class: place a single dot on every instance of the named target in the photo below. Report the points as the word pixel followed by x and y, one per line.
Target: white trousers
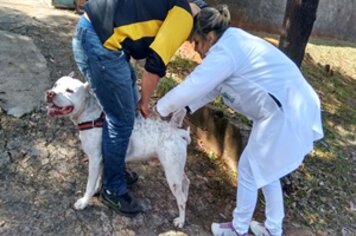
pixel 246 199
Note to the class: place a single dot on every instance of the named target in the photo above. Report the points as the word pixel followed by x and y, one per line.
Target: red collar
pixel 93 124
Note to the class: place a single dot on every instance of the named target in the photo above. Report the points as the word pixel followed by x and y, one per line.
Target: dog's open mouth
pixel 54 110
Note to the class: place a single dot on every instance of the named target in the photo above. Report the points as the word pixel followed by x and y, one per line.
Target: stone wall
pixel 335 19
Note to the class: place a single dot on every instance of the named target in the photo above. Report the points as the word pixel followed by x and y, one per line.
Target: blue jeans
pixel 113 81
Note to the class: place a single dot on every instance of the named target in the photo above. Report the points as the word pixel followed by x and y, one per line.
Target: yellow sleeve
pixel 173 32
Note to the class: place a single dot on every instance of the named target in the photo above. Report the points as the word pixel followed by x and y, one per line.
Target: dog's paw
pixel 178 222
pixel 81 203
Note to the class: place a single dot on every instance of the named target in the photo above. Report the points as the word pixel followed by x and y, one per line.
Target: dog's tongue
pixel 58 111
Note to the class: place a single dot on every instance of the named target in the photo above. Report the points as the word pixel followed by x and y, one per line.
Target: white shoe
pixel 259 229
pixel 225 229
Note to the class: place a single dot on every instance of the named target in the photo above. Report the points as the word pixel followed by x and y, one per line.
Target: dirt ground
pixel 43 171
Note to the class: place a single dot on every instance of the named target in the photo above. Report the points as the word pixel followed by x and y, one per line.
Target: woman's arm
pixel 214 69
pixel 203 101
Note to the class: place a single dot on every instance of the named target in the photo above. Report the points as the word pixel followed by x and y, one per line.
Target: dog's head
pixel 67 97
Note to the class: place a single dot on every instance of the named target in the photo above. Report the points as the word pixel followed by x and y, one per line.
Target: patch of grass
pixel 165 84
pixel 321 194
pixel 324 188
pixel 180 67
pixel 177 70
pixel 340 55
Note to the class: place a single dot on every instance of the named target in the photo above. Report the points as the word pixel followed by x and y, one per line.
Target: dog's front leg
pixel 95 162
pixel 99 180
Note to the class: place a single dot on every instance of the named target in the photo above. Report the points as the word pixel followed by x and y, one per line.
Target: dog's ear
pixel 87 86
pixel 177 118
pixel 71 74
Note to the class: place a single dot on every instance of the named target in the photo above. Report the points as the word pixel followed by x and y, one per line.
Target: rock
pixel 24 75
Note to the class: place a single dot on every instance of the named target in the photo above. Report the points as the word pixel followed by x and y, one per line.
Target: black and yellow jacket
pixel 151 29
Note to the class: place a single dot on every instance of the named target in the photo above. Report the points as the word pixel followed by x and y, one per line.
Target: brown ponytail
pixel 211 19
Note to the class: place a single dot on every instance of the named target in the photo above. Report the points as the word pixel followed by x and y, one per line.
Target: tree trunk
pixel 298 23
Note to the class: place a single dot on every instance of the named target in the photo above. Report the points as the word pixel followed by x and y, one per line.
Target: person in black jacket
pixel 107 35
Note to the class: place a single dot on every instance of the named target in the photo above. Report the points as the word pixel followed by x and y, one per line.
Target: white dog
pixel 70 97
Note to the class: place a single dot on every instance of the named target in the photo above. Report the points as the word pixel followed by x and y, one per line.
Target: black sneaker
pixel 131 177
pixel 123 204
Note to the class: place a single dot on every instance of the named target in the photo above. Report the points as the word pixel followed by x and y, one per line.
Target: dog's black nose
pixel 50 95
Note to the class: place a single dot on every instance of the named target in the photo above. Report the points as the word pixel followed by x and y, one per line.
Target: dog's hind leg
pixel 175 181
pixel 177 190
pixel 93 175
pixel 173 156
pixel 185 185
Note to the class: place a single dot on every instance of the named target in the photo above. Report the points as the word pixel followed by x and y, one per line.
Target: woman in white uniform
pixel 260 82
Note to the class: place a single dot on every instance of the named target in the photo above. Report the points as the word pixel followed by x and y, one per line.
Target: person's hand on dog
pixel 148 84
pixel 175 119
pixel 143 108
pixel 150 113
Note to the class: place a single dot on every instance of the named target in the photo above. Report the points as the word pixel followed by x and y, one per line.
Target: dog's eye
pixel 69 90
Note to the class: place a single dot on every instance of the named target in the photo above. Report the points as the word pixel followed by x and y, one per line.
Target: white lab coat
pixel 246 71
